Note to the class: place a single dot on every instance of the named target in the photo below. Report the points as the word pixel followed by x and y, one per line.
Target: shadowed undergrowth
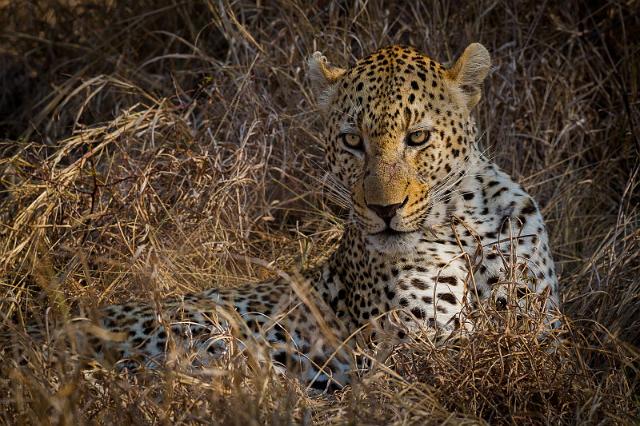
pixel 154 148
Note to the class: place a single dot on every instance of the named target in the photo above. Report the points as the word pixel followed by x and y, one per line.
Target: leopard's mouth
pixel 390 240
pixel 390 232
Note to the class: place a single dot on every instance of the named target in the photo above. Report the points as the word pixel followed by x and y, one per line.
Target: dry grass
pixel 147 144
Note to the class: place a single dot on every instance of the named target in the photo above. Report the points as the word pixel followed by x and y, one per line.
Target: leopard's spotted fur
pixel 435 227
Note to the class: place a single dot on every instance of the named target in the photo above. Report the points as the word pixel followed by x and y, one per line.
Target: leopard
pixel 433 229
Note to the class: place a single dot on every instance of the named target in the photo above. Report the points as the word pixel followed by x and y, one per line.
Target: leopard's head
pixel 398 131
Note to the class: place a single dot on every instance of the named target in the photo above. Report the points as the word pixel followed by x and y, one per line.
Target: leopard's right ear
pixel 469 72
pixel 323 78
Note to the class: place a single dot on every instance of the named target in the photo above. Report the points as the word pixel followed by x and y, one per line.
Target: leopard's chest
pixel 423 285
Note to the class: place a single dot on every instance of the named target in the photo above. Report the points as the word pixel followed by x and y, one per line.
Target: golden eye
pixel 351 140
pixel 418 138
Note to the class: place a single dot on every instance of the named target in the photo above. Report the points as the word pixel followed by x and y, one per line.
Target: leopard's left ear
pixel 469 72
pixel 323 77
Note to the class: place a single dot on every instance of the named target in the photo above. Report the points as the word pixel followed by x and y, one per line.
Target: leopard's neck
pixel 359 270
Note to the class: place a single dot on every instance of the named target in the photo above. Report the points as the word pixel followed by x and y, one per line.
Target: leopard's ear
pixel 323 77
pixel 469 72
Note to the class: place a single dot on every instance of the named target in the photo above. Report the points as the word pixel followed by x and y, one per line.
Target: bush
pixel 146 145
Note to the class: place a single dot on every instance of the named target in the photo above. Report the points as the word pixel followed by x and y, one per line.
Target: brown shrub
pixel 147 144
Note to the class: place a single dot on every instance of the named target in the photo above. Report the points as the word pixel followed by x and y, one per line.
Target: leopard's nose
pixel 387 212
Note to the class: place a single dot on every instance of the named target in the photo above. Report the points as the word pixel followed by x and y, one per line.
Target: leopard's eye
pixel 418 138
pixel 352 141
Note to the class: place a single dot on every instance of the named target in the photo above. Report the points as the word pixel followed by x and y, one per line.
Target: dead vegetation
pixel 146 145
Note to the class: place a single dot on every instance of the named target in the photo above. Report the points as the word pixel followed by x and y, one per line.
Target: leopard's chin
pixel 390 241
